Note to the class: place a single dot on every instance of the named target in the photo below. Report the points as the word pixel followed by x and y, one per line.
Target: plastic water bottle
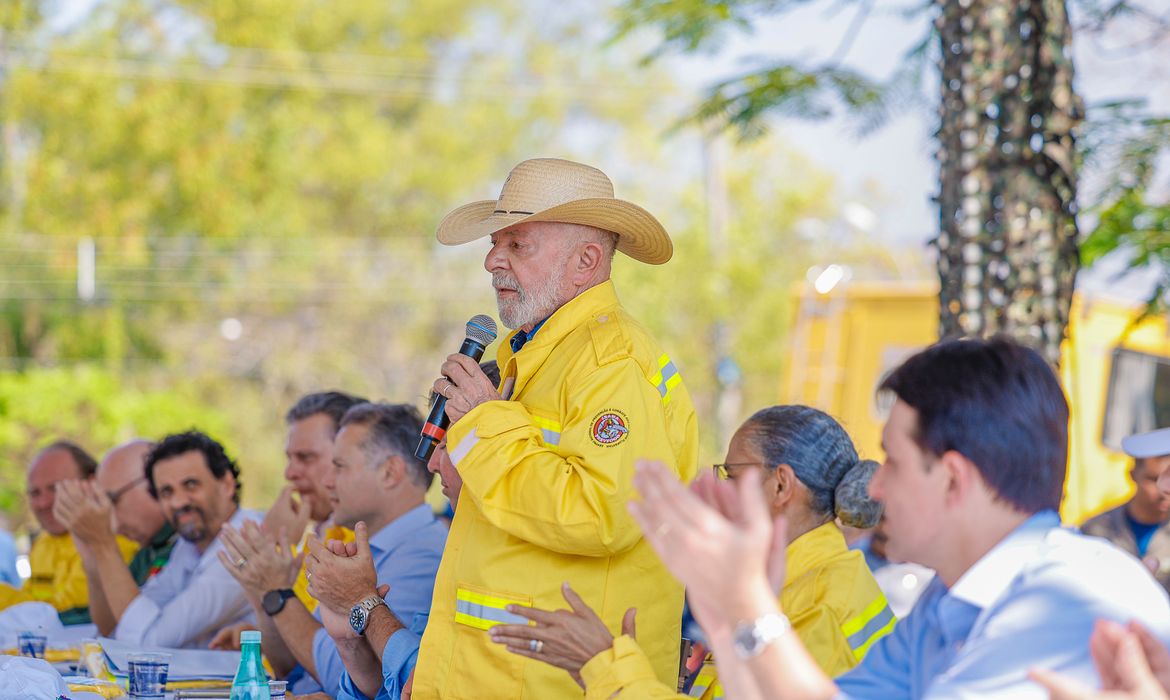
pixel 251 681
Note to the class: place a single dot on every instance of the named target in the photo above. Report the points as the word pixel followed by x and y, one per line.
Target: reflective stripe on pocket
pixel 484 611
pixel 550 430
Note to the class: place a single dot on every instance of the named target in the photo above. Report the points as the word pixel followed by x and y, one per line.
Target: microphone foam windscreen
pixel 482 329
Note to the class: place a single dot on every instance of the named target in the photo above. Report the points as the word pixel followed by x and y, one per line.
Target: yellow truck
pixel 1115 373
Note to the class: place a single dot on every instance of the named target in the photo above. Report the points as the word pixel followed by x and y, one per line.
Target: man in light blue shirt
pixel 382 665
pixel 394 646
pixel 376 481
pixel 976 453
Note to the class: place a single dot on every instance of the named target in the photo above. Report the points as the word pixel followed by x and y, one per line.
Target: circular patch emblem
pixel 610 427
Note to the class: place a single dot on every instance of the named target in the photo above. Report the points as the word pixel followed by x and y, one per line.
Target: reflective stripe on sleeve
pixel 464 447
pixel 666 378
pixel 871 625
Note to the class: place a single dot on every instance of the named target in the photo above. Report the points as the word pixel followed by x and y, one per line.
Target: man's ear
pixel 590 256
pixel 392 470
pixel 962 476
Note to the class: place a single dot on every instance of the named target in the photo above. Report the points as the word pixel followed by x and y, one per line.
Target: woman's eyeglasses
pixel 727 470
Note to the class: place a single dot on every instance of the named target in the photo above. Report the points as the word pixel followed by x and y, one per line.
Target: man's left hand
pixel 337 579
pixel 464 385
pixel 259 562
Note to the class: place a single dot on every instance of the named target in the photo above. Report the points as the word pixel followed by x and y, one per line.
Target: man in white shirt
pixel 198 487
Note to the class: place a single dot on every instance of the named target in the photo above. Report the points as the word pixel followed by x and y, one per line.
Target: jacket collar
pixel 523 365
pixel 812 550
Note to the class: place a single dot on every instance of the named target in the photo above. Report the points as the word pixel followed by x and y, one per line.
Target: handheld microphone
pixel 481 331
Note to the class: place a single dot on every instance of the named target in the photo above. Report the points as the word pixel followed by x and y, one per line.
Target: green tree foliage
pixel 98 409
pixel 1126 141
pixel 261 182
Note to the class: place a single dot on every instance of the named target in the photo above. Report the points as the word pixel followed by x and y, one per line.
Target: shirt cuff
pixel 136 620
pixel 399 657
pixel 346 690
pixel 615 668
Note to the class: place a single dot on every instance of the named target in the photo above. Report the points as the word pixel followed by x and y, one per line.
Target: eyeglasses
pixel 115 495
pixel 723 471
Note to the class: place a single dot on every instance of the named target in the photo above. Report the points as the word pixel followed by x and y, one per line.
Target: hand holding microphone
pixel 462 386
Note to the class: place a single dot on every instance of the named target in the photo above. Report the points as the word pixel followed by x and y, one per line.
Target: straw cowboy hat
pixel 550 189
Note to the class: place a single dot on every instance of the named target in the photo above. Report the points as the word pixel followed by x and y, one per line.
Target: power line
pixel 328 79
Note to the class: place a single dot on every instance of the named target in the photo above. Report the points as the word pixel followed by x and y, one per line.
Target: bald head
pixel 123 464
pixel 122 475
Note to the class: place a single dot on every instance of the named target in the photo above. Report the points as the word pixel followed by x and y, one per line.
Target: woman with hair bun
pixel 813 477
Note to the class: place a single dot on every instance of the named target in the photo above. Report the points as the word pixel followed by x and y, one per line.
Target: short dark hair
pixel 999 404
pixel 394 428
pixel 85 462
pixel 193 441
pixel 330 403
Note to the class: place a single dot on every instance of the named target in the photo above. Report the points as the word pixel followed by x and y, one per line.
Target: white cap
pixel 1155 443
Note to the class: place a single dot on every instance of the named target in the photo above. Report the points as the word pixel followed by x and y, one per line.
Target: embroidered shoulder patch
pixel 610 428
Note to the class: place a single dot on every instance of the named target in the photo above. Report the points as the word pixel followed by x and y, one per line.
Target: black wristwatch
pixel 273 601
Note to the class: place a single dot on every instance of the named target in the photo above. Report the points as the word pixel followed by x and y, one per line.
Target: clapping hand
pixel 85 510
pixel 1132 664
pixel 341 574
pixel 258 561
pixel 717 538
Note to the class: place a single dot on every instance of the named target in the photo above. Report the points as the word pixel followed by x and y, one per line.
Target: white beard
pixel 528 306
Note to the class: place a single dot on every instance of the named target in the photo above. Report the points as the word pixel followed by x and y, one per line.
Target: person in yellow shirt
pixel 58 577
pixel 813 477
pixel 547 458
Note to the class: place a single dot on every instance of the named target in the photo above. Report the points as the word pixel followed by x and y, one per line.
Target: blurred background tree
pixel 211 207
pixel 1008 118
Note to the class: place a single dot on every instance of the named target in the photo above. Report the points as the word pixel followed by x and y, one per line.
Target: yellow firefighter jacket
pixel 546 480
pixel 830 596
pixel 58 578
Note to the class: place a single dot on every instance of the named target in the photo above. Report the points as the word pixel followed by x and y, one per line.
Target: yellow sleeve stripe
pixel 666 378
pixel 872 624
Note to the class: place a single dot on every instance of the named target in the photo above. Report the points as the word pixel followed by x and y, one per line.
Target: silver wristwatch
pixel 750 638
pixel 359 615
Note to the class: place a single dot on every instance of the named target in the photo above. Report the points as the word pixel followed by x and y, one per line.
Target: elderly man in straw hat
pixel 547 458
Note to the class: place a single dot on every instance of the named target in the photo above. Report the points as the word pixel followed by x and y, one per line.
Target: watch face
pixel 357 619
pixel 273 602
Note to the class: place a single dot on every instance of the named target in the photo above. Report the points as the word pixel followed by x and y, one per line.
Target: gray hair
pixel 823 457
pixel 393 430
pixel 330 403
